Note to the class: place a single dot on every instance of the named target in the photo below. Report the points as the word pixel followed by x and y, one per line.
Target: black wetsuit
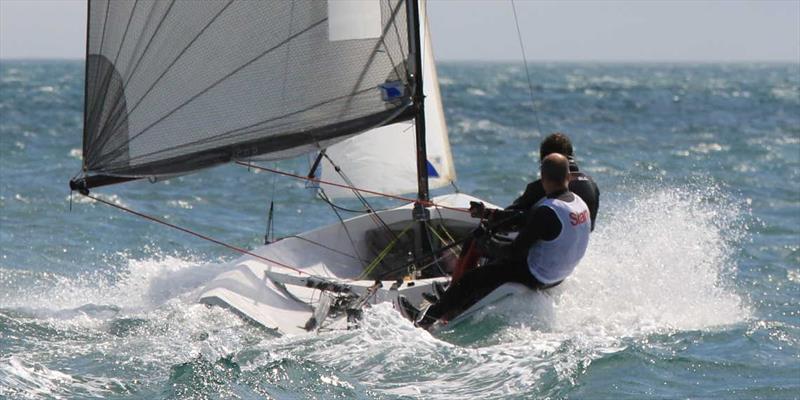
pixel 541 223
pixel 579 183
pixel 512 218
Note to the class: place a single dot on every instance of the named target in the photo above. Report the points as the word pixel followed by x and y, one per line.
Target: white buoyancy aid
pixel 551 261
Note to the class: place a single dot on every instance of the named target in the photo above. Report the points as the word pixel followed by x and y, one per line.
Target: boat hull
pixel 250 289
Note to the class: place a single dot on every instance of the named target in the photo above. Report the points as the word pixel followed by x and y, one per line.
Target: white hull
pixel 326 252
pixel 503 292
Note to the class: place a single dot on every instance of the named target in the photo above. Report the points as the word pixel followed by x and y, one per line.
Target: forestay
pixel 174 86
pixel 383 159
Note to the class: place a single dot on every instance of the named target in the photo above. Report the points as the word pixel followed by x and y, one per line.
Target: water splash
pixel 658 264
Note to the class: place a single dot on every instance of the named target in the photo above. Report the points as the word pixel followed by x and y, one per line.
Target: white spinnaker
pixel 384 159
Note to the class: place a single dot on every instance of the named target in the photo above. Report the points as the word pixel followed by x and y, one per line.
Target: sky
pixel 644 30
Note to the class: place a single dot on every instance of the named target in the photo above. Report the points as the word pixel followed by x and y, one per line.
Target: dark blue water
pixel 690 288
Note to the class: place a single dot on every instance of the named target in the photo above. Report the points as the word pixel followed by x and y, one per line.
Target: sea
pixel 690 288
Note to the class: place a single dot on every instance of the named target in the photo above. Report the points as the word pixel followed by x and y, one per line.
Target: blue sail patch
pixel 392 91
pixel 432 173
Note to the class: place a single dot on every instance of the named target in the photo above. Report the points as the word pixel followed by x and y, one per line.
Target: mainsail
pixel 175 86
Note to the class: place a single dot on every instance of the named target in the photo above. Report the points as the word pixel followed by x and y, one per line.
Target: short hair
pixel 555 168
pixel 555 143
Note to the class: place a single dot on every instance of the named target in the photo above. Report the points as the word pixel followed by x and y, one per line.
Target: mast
pixel 415 71
pixel 420 213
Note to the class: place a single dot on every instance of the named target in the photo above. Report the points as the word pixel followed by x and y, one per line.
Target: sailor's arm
pixel 533 193
pixel 513 217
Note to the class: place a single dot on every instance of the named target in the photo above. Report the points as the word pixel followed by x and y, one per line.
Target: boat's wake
pixel 657 265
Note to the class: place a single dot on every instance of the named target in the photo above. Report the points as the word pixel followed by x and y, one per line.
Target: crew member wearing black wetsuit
pixel 547 249
pixel 579 183
pixel 513 217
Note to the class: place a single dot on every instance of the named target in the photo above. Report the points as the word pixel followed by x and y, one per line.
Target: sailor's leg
pixel 468 260
pixel 465 247
pixel 473 286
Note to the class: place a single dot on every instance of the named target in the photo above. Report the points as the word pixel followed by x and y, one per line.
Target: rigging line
pixel 527 71
pixel 375 217
pixel 442 249
pixel 428 229
pixel 383 253
pixel 354 211
pixel 439 236
pixel 196 234
pixel 169 67
pixel 217 82
pixel 433 253
pixel 426 203
pixel 344 225
pixel 326 247
pixel 379 222
pixel 345 209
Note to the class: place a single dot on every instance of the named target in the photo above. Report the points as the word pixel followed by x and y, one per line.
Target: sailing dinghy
pixel 173 87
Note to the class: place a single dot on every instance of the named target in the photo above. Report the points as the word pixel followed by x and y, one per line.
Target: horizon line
pixel 508 61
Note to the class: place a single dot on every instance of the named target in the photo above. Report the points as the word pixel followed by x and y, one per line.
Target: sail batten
pixel 173 87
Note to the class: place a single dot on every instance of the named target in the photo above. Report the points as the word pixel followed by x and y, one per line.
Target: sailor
pixel 579 182
pixel 513 217
pixel 552 241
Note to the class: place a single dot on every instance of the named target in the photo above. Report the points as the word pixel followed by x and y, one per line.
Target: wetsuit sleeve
pixel 593 210
pixel 583 185
pixel 512 218
pixel 533 193
pixel 542 224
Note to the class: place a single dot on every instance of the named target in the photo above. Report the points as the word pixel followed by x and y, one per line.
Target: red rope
pixel 426 203
pixel 199 235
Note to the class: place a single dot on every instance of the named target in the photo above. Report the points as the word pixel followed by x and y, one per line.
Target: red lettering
pixel 577 219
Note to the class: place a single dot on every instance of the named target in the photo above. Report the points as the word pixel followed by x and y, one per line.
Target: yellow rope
pixel 383 253
pixel 452 250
